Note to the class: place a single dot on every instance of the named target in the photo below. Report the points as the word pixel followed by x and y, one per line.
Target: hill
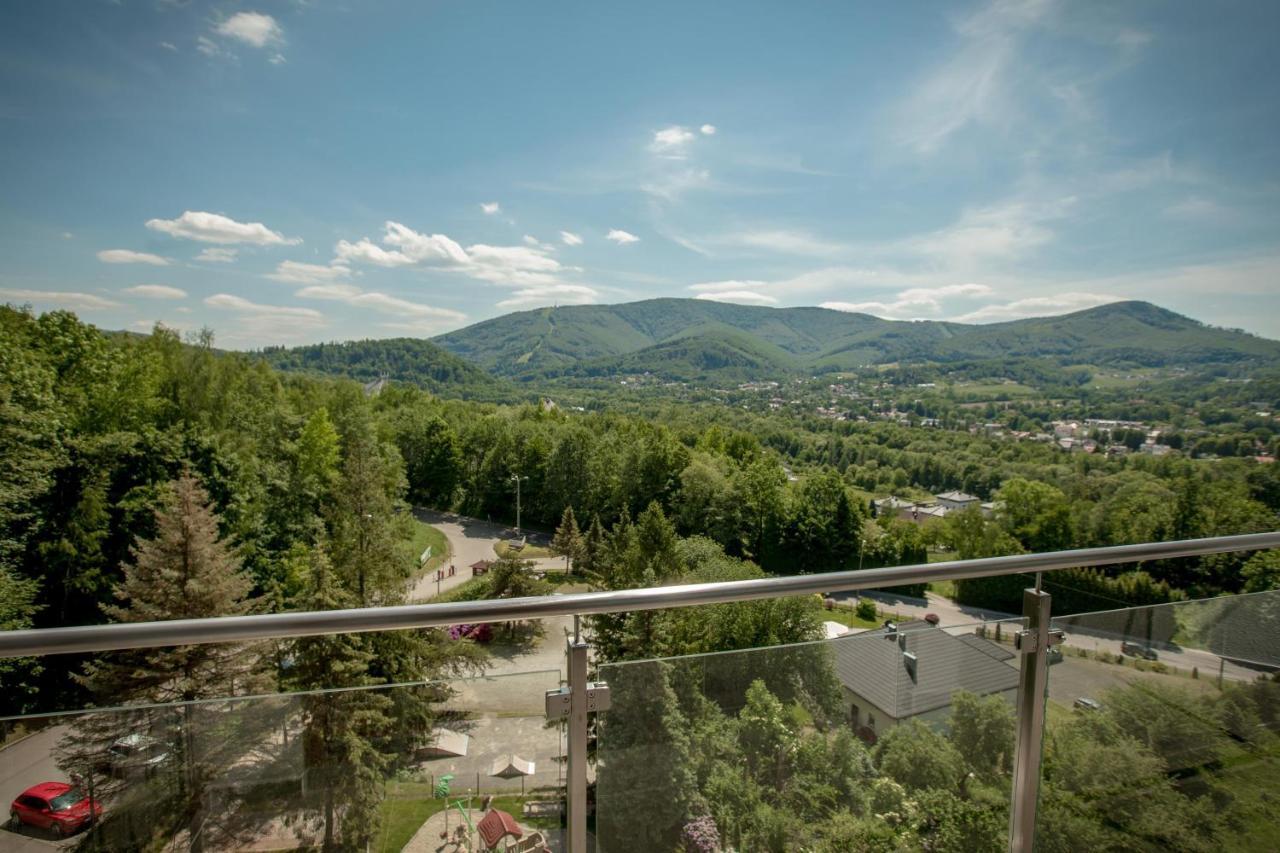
pixel 411 360
pixel 690 338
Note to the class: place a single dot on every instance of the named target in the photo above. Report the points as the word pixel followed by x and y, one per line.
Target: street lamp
pixel 516 478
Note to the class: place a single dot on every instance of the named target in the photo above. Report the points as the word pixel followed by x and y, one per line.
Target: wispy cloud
pixel 156 291
pixel 257 323
pixel 294 272
pixel 216 228
pixel 128 256
pixel 918 302
pixel 490 207
pixel 671 141
pixel 570 239
pixel 213 255
pixel 1037 306
pixel 58 298
pixel 553 294
pixel 621 237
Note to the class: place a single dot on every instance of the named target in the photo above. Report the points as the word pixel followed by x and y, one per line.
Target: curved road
pixel 470 540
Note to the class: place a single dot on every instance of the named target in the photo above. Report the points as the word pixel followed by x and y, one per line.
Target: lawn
pixel 528 552
pixel 849 619
pixel 1252 778
pixel 405 808
pixel 409 804
pixel 425 535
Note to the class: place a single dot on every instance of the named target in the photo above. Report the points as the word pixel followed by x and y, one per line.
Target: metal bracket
pixel 558 701
pixel 1025 641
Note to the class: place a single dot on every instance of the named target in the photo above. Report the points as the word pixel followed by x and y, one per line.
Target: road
pixel 470 541
pixel 22 765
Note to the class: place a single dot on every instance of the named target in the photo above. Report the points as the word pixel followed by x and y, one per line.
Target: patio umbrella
pixel 511 766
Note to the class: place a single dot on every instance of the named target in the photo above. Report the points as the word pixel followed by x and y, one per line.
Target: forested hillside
pixel 594 340
pixel 410 360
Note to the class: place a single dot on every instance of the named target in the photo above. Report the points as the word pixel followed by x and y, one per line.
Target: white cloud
pixel 490 207
pixel 212 255
pixel 277 59
pixel 216 228
pixel 253 28
pixel 423 247
pixel 128 256
pixel 67 235
pixel 167 45
pixel 553 294
pixel 913 303
pixel 708 130
pixel 380 302
pixel 1000 232
pixel 156 291
pixel 294 272
pixel 62 299
pixel 530 240
pixel 747 297
pixel 621 237
pixel 671 141
pixel 366 251
pixel 1038 306
pixel 570 239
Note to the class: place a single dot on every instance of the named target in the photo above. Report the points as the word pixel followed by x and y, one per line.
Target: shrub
pixel 866 609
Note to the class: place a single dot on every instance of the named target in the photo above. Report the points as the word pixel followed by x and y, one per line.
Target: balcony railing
pixel 875 686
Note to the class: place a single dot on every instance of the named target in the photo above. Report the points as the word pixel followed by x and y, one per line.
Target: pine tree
pixel 184 572
pixel 593 544
pixel 568 539
pixel 367 551
pixel 342 728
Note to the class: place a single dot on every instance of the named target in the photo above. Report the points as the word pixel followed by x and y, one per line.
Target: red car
pixel 56 806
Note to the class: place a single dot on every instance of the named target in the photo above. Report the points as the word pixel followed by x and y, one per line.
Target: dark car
pixel 1137 650
pixel 61 808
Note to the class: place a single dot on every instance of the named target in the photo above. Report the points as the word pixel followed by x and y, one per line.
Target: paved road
pixel 22 765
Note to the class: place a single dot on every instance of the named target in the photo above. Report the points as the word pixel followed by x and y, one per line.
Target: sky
pixel 292 172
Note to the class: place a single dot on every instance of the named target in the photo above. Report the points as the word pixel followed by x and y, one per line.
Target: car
pixel 1084 703
pixel 1138 650
pixel 136 755
pixel 58 807
pixel 1054 655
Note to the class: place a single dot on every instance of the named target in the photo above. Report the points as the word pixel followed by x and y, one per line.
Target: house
pixel 920 513
pixel 910 671
pixel 890 505
pixel 957 500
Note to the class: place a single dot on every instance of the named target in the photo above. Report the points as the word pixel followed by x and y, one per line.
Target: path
pixel 22 765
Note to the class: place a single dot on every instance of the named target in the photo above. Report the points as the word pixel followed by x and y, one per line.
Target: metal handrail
pixel 132 635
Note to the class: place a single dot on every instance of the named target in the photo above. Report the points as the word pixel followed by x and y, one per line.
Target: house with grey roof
pixel 911 671
pixel 957 500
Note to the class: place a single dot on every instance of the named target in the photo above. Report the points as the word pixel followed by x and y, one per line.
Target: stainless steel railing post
pixel 1033 643
pixel 576 794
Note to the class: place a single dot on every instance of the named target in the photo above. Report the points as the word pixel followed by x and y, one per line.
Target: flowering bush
pixel 701 836
pixel 481 633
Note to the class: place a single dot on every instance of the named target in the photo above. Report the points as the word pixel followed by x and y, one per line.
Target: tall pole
pixel 1032 684
pixel 576 795
pixel 517 478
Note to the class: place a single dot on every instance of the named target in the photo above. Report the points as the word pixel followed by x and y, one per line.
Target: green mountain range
pixel 691 338
pixel 403 359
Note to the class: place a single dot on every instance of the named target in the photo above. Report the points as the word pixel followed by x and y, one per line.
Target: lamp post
pixel 516 478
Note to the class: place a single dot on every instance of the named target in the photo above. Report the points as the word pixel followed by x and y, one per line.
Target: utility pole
pixel 516 478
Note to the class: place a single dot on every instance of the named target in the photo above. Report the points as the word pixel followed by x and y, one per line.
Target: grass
pixel 423 535
pixel 1251 777
pixel 946 589
pixel 408 805
pixel 849 619
pixel 528 552
pixel 405 808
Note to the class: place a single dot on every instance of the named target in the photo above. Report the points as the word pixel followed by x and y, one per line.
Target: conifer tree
pixel 568 539
pixel 184 572
pixel 343 729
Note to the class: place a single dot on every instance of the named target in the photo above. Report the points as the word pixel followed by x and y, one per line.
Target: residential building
pixel 911 671
pixel 957 500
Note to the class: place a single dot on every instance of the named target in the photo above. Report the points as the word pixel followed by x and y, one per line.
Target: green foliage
pixel 919 758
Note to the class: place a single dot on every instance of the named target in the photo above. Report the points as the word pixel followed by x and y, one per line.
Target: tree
pixel 568 539
pixel 1262 572
pixel 765 737
pixel 645 783
pixel 185 572
pixel 916 756
pixel 343 726
pixel 1036 514
pixel 982 732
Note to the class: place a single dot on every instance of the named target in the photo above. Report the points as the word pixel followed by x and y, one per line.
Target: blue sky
pixel 292 172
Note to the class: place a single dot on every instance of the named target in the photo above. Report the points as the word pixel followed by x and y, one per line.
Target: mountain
pixel 404 359
pixel 692 338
